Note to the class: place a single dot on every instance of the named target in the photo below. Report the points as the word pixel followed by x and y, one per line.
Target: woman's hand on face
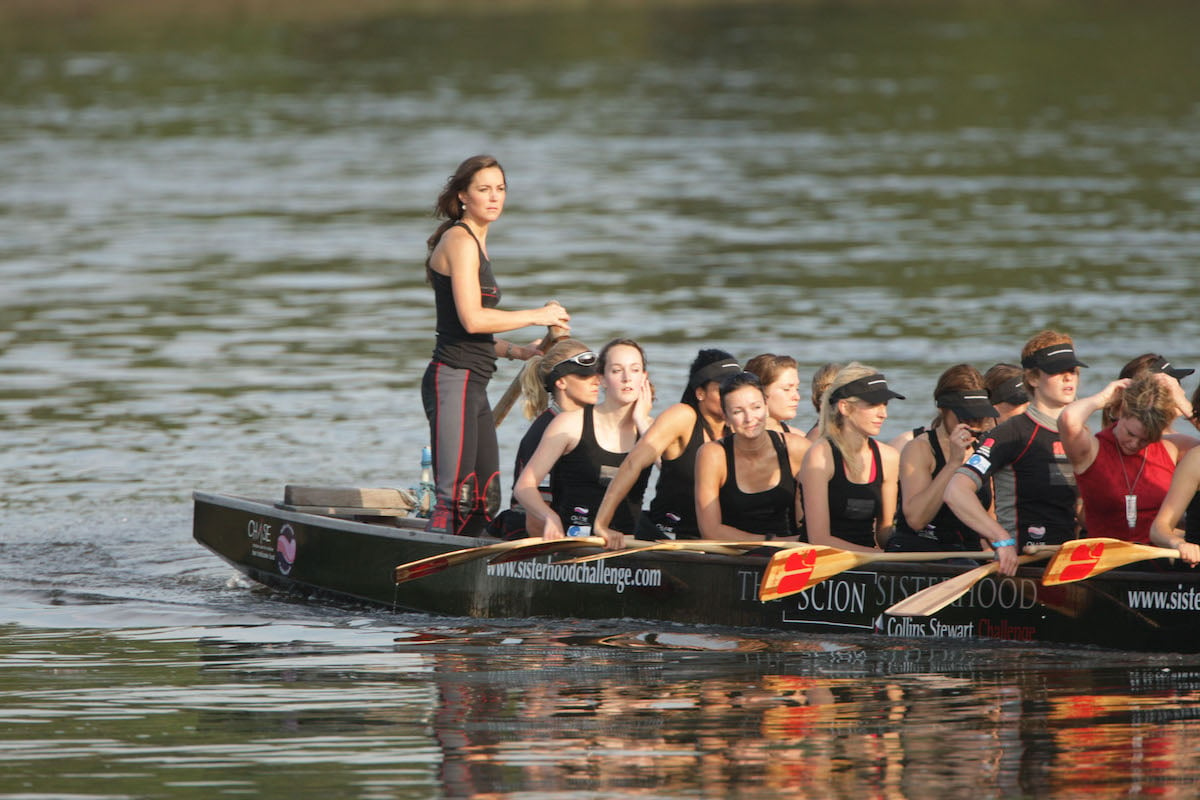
pixel 960 441
pixel 643 405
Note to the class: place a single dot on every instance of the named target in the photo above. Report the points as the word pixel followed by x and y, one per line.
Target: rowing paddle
pixel 1083 558
pixel 934 598
pixel 797 568
pixel 690 545
pixel 542 546
pixel 506 401
pixel 434 564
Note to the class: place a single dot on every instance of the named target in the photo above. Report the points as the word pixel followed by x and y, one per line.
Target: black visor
pixel 717 371
pixel 1012 391
pixel 872 389
pixel 1053 360
pixel 1162 365
pixel 968 405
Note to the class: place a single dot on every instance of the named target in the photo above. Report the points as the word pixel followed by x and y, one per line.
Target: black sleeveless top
pixel 945 531
pixel 455 347
pixel 580 477
pixel 1191 522
pixel 771 512
pixel 673 509
pixel 853 507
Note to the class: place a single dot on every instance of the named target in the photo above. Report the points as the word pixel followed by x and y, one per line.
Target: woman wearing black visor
pixel 928 462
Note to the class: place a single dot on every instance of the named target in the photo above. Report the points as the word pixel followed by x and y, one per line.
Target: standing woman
pixel 848 479
pixel 675 438
pixel 585 449
pixel 929 461
pixel 466 459
pixel 746 481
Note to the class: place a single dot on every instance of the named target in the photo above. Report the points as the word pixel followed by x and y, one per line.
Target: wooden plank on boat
pixel 339 501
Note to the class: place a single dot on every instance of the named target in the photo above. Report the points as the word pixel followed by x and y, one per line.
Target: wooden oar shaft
pixel 934 598
pixel 686 545
pixel 509 398
pixel 434 564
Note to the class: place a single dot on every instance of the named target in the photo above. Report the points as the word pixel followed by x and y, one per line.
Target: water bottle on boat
pixel 425 490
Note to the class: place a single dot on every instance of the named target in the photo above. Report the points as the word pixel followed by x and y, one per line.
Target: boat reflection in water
pixel 698 714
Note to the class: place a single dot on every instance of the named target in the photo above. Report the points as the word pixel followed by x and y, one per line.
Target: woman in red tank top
pixel 1124 471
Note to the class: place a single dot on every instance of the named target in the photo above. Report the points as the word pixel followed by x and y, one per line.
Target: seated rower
pixel 1124 471
pixel 563 379
pixel 585 448
pixel 847 478
pixel 780 379
pixel 1006 389
pixel 674 438
pixel 1039 491
pixel 928 462
pixel 822 377
pixel 1182 501
pixel 746 481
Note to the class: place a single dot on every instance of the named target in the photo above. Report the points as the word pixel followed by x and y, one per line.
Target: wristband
pixel 1009 542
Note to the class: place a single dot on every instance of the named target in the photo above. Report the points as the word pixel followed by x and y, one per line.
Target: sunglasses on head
pixel 585 359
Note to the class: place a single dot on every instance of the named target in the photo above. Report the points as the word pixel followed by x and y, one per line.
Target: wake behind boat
pixel 348 551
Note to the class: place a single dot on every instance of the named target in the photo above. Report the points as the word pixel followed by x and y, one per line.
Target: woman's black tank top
pixel 945 530
pixel 771 512
pixel 673 509
pixel 580 478
pixel 853 507
pixel 1191 524
pixel 454 346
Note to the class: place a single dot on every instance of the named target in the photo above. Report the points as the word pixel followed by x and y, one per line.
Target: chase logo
pixel 285 550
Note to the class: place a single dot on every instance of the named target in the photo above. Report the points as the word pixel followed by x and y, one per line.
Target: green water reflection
pixel 470 711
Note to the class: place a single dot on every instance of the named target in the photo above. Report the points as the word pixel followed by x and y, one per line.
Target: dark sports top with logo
pixel 1028 448
pixel 673 509
pixel 771 512
pixel 455 347
pixel 581 476
pixel 945 529
pixel 853 507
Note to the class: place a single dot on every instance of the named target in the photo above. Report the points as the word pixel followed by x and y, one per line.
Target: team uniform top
pixel 455 346
pixel 672 512
pixel 945 531
pixel 770 512
pixel 1112 476
pixel 853 507
pixel 527 447
pixel 581 476
pixel 1026 448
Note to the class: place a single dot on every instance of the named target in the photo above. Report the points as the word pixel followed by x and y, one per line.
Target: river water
pixel 212 223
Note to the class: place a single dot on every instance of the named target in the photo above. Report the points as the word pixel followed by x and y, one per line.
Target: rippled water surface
pixel 212 223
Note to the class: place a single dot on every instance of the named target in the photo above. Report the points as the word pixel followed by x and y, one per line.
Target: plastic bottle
pixel 425 490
